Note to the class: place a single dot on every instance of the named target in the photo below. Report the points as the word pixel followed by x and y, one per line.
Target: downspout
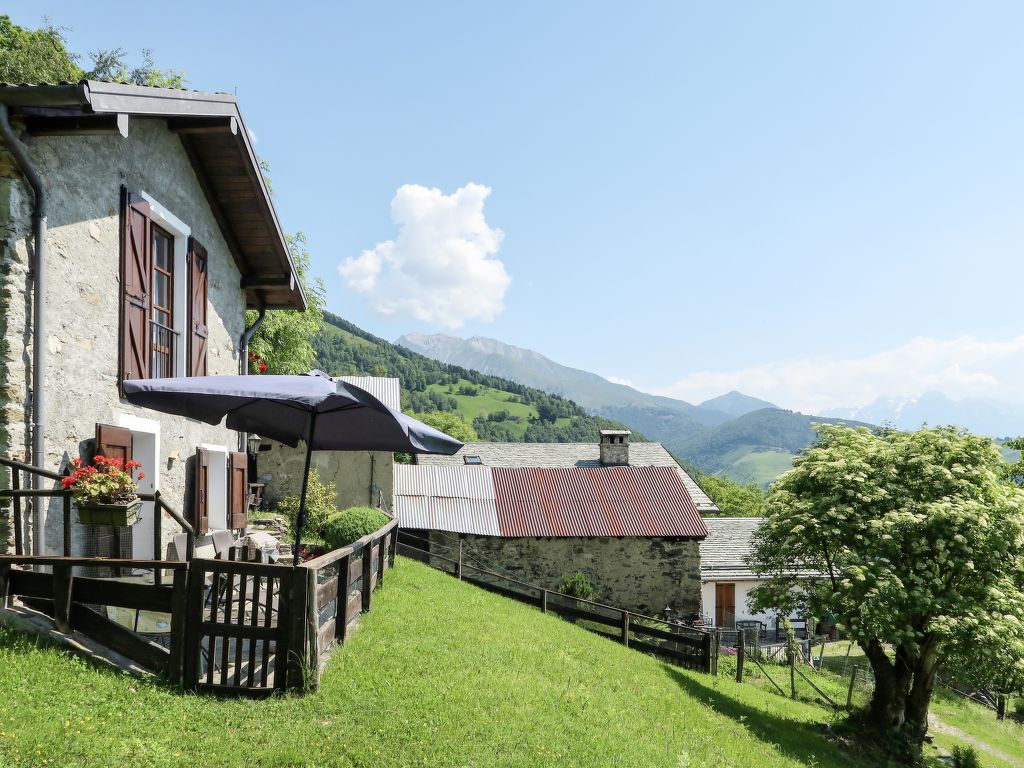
pixel 247 335
pixel 38 320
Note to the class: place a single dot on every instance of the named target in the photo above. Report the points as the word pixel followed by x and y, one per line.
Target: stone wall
pixel 362 478
pixel 84 176
pixel 638 574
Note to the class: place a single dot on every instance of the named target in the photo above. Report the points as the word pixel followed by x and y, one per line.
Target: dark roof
pixel 569 455
pixel 214 136
pixel 723 553
pixel 564 502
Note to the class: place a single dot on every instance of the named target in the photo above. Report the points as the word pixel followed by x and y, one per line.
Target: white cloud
pixel 441 268
pixel 959 367
pixel 617 380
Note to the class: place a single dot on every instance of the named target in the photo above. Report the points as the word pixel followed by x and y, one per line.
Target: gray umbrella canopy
pixel 326 415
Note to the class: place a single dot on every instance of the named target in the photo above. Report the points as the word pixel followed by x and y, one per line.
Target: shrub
pixel 319 505
pixel 965 757
pixel 578 585
pixel 342 528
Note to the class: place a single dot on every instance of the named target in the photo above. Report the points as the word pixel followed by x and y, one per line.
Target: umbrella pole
pixel 300 520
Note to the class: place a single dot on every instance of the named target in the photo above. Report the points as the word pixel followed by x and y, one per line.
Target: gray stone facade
pixel 639 574
pixel 362 478
pixel 84 176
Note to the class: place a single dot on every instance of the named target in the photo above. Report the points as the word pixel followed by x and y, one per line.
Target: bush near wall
pixel 342 528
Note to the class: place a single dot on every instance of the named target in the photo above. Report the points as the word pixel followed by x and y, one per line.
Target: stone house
pixel 622 514
pixel 135 230
pixel 361 478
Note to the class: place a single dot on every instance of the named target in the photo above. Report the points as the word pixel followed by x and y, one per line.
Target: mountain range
pixel 985 416
pixel 748 439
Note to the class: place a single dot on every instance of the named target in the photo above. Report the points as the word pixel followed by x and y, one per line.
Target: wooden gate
pixel 239 631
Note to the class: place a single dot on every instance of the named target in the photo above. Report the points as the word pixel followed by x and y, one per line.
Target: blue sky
pixel 815 203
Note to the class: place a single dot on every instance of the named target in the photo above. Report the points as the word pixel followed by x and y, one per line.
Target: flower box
pixel 121 515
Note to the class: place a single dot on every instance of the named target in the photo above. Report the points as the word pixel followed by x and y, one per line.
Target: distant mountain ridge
pixel 749 439
pixel 981 415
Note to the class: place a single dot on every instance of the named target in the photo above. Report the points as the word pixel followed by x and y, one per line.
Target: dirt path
pixel 938 726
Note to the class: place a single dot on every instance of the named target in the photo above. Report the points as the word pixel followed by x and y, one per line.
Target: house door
pixel 725 606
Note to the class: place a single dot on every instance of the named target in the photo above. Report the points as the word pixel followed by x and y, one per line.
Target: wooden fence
pixel 234 627
pixel 678 644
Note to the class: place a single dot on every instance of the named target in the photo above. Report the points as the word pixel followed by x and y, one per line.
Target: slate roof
pixel 219 146
pixel 569 455
pixel 723 552
pixel 564 502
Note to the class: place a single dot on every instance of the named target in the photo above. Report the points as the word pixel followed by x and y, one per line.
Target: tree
pixel 732 498
pixel 111 66
pixel 919 540
pixel 283 341
pixel 450 423
pixel 35 55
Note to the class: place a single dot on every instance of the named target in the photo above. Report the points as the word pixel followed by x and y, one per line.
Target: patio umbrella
pixel 325 414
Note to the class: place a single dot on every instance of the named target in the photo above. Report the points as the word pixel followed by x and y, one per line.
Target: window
pixel 163 294
pixel 472 460
pixel 164 336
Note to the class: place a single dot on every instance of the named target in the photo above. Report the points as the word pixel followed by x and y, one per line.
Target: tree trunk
pixel 903 690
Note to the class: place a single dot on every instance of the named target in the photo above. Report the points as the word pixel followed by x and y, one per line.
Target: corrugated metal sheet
pixel 595 501
pixel 454 499
pixel 385 389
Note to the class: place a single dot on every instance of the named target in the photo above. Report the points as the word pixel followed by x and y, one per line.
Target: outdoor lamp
pixel 254 443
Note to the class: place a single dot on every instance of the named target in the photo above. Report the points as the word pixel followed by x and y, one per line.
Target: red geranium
pixel 106 481
pixel 257 364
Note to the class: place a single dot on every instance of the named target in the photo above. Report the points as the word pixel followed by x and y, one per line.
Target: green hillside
pixel 439 674
pixel 500 410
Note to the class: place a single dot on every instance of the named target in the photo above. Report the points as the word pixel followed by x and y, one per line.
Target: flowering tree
pixel 920 543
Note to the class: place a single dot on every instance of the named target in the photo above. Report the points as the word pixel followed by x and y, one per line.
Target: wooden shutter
pixel 113 442
pixel 198 289
pixel 135 287
pixel 201 500
pixel 238 491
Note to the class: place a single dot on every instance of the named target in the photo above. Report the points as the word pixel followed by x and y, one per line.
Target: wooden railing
pixel 17 493
pixel 679 644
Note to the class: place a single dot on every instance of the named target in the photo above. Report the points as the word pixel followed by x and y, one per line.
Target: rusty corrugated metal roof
pixel 595 501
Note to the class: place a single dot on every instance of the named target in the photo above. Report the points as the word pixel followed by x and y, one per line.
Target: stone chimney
pixel 615 447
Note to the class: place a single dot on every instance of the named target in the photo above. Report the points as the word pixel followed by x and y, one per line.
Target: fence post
pixel 718 647
pixel 1000 706
pixel 544 601
pixel 298 656
pixel 458 567
pixel 5 583
pixel 740 652
pixel 625 628
pixel 341 612
pixel 367 576
pixel 312 623
pixel 63 582
pixel 849 693
pixel 67 524
pixel 19 543
pixel 179 606
pixel 792 672
pixel 707 653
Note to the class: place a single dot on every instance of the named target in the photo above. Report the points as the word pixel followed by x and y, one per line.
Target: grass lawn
pixel 440 674
pixel 756 466
pixel 489 400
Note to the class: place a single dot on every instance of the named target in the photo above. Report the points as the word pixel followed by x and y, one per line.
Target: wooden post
pixel 458 568
pixel 382 558
pixel 792 673
pixel 849 693
pixel 158 537
pixel 394 546
pixel 544 601
pixel 67 524
pixel 625 628
pixel 718 647
pixel 706 647
pixel 341 609
pixel 297 618
pixel 313 629
pixel 367 575
pixel 62 584
pixel 5 583
pixel 821 656
pixel 190 628
pixel 19 543
pixel 1000 706
pixel 740 652
pixel 179 606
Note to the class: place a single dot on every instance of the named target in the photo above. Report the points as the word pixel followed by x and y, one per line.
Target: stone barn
pixel 540 512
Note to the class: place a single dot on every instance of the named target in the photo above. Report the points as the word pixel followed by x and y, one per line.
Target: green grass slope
pixel 440 674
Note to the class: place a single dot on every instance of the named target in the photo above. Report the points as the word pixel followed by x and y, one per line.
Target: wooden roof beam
pixel 77 125
pixel 201 125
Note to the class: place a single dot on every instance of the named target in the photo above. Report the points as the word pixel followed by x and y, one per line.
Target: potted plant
pixel 105 492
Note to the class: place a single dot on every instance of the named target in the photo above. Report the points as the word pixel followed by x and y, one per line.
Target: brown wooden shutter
pixel 198 289
pixel 135 287
pixel 113 442
pixel 238 491
pixel 201 505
